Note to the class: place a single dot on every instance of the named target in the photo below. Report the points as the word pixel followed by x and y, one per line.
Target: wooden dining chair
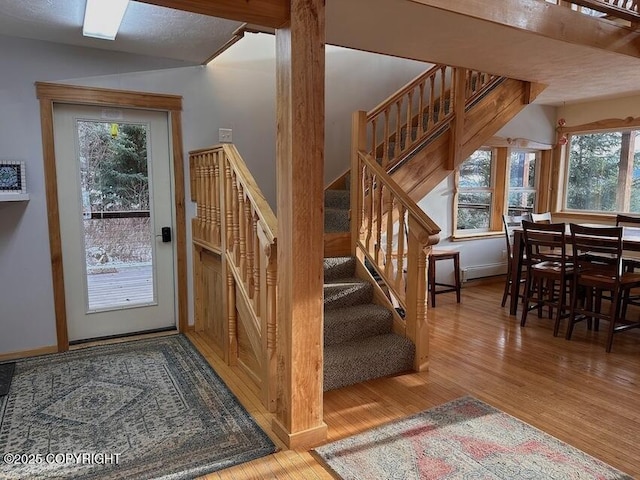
pixel 510 223
pixel 541 217
pixel 549 270
pixel 597 266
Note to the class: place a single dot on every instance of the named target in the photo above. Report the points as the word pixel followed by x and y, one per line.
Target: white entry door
pixel 115 199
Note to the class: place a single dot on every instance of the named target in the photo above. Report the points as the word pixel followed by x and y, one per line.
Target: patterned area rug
pixel 462 439
pixel 142 409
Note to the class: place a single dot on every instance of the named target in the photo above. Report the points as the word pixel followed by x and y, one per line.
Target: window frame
pixel 500 169
pixel 565 152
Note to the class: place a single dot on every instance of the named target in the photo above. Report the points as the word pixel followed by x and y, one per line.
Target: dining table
pixel 630 242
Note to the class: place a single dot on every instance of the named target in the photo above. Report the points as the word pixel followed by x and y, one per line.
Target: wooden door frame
pixel 51 93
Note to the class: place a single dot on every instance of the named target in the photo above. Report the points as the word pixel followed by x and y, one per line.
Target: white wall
pixel 235 91
pixel 587 112
pixel 26 299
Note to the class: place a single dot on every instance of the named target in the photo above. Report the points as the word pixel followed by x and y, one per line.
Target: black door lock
pixel 166 234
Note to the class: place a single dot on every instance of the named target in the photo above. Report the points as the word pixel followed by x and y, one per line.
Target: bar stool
pixel 436 256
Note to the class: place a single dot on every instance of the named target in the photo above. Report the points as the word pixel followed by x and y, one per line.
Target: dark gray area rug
pixel 6 374
pixel 138 410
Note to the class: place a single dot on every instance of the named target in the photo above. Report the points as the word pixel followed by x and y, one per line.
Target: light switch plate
pixel 225 135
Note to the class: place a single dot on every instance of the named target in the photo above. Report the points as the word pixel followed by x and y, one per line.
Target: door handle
pixel 165 234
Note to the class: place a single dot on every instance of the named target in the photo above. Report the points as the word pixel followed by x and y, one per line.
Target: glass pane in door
pixel 116 206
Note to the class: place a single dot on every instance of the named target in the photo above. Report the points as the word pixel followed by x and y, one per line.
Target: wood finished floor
pixel 572 390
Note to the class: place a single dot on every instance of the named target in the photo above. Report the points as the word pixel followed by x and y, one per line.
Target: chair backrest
pixel 545 242
pixel 597 252
pixel 510 222
pixel 627 221
pixel 541 217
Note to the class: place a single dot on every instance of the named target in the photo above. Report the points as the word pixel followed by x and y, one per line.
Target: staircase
pixel 359 343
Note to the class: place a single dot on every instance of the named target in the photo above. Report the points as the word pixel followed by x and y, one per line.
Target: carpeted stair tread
pixel 353 362
pixel 340 199
pixel 338 267
pixel 344 292
pixel 336 220
pixel 356 322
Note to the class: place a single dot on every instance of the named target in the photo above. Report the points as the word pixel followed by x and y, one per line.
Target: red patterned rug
pixel 462 439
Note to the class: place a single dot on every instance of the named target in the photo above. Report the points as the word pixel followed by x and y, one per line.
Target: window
pixel 475 191
pixel 603 172
pixel 492 182
pixel 522 182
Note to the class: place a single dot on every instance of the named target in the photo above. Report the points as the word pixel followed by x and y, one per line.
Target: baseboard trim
pixel 28 353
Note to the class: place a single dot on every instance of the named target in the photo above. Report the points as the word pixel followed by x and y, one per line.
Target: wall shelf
pixel 14 197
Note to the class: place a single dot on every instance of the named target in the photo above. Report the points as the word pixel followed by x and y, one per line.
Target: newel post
pixel 419 246
pixel 458 84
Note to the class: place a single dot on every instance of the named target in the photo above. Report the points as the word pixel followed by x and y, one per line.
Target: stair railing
pixel 426 105
pixel 395 236
pixel 628 10
pixel 233 219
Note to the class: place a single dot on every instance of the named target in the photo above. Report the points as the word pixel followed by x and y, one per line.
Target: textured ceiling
pixel 395 27
pixel 145 30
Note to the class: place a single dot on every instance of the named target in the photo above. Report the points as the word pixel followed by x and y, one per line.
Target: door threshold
pixel 127 337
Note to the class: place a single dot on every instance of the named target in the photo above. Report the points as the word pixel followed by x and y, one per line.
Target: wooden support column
pixel 300 56
pixel 457 124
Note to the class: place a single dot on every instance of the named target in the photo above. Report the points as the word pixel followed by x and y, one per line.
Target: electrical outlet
pixel 225 135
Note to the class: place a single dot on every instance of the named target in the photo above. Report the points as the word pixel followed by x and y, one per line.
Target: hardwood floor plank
pixel 572 390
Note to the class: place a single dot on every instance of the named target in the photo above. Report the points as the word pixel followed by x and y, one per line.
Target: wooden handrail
pixel 400 93
pixel 426 105
pixel 423 220
pixel 253 192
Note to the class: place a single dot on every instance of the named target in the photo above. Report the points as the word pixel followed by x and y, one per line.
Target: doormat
pixel 6 374
pixel 462 439
pixel 141 409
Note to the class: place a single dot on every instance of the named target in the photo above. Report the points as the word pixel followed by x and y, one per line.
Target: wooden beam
pixel 547 20
pixel 300 67
pixel 267 13
pixel 610 9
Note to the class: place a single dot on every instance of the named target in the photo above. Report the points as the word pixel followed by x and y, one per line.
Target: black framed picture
pixel 12 177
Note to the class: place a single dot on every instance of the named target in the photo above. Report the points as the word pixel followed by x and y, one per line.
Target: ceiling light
pixel 102 18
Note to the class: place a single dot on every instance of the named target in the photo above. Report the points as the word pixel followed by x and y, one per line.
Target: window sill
pixel 464 237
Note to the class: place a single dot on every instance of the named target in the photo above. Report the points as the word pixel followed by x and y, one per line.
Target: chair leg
pixel 614 313
pixel 456 268
pixel 572 312
pixel 562 298
pixel 525 302
pixel 432 281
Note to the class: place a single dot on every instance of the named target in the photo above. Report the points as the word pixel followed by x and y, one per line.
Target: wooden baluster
pixel 250 233
pixel 409 137
pixel 431 118
pixel 400 281
pixel 231 326
pixel 211 198
pixel 228 205
pixel 387 135
pixel 378 199
pixel 207 199
pixel 234 220
pixel 255 285
pixel 388 208
pixel 216 198
pixel 442 92
pixel 398 147
pixel 242 232
pixel 368 195
pixel 269 336
pixel 362 189
pixel 199 196
pixel 374 139
pixel 421 125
